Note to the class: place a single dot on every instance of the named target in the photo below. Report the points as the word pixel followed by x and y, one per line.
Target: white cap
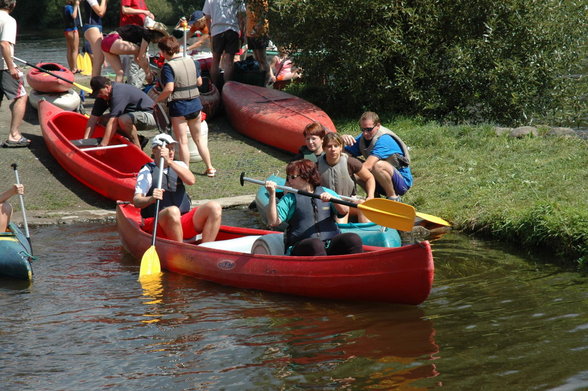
pixel 148 22
pixel 161 139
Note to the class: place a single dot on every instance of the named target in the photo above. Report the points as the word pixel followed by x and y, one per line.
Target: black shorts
pixel 10 87
pixel 193 115
pixel 256 43
pixel 227 41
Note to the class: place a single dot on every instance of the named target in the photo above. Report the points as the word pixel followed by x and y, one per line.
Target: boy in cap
pixel 176 220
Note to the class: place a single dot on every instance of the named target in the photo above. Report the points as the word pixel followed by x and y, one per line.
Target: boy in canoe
pixel 5 207
pixel 176 220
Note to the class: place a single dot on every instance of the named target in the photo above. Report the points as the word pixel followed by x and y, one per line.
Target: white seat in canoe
pixel 241 245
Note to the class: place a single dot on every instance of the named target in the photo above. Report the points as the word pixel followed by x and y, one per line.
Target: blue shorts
pixel 400 186
pixel 89 26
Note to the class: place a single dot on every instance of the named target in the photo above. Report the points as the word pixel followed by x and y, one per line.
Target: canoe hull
pixel 272 117
pixel 44 82
pixel 15 255
pixel 397 275
pixel 110 172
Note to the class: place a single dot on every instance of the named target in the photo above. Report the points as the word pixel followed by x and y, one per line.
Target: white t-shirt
pixel 145 179
pixel 7 33
pixel 223 15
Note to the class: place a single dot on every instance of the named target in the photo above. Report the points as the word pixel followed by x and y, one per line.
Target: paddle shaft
pixel 22 207
pixel 159 181
pixel 301 192
pixel 81 87
pixel 104 147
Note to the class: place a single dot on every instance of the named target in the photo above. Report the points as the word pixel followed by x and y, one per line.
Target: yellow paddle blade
pixel 86 67
pixel 389 213
pixel 80 62
pixel 433 219
pixel 149 263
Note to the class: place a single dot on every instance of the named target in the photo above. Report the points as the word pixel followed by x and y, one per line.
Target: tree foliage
pixel 508 61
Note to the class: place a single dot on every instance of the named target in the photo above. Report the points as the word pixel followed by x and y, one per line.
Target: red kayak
pixel 397 275
pixel 44 82
pixel 270 116
pixel 110 171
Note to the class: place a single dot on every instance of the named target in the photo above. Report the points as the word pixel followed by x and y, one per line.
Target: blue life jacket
pixel 174 194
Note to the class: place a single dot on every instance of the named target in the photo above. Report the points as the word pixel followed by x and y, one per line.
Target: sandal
pixel 210 172
pixel 395 198
pixel 23 142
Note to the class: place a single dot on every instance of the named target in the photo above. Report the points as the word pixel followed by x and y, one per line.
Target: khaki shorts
pixel 143 120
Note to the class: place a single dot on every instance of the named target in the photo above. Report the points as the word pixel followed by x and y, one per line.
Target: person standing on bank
pixel 257 34
pixel 71 13
pixel 134 12
pixel 130 109
pixel 176 220
pixel 180 77
pixel 11 78
pixel 312 229
pixel 95 9
pixel 225 20
pixel 386 156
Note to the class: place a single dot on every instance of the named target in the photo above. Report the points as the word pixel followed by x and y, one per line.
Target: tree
pixel 474 60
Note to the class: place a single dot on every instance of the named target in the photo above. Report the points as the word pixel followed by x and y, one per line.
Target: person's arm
pixel 370 162
pixel 109 131
pixel 271 210
pixel 209 26
pixel 133 11
pixel 141 59
pixel 167 78
pixel 140 200
pixel 342 210
pixel 6 53
pixel 180 168
pixel 100 8
pixel 14 190
pixel 76 10
pixel 90 126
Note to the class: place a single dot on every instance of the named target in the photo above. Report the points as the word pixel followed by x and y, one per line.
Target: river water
pixel 494 321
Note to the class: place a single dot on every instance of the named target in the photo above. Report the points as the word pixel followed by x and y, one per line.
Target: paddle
pixel 383 212
pixel 420 216
pixel 150 261
pixel 81 87
pixel 22 207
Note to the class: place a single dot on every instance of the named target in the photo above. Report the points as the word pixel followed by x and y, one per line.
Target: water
pixel 494 321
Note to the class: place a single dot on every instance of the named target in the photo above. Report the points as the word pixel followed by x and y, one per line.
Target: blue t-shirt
pixel 183 107
pixel 385 147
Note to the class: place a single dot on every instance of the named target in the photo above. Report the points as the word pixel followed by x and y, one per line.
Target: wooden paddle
pixel 22 208
pixel 150 261
pixel 81 87
pixel 383 212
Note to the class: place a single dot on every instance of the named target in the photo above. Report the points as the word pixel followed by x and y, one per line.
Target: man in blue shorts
pixel 11 78
pixel 130 110
pixel 386 156
pixel 225 20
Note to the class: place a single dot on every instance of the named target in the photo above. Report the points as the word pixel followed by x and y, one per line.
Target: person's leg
pixel 120 47
pixel 17 108
pixel 116 64
pixel 71 55
pixel 94 36
pixel 309 247
pixel 383 172
pixel 170 223
pixel 231 46
pixel 180 129
pixel 207 220
pixel 200 141
pixel 5 213
pixel 217 53
pixel 346 243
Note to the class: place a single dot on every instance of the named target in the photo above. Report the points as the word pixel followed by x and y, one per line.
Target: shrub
pixel 462 60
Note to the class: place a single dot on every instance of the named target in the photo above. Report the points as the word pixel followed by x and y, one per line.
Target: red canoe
pixel 270 116
pixel 44 82
pixel 397 275
pixel 112 172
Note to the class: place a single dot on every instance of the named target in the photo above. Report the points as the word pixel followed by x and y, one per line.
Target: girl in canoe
pixel 338 171
pixel 312 229
pixel 131 39
pixel 5 207
pixel 180 77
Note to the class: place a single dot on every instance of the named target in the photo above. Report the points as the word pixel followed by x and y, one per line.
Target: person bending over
pixel 312 229
pixel 176 220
